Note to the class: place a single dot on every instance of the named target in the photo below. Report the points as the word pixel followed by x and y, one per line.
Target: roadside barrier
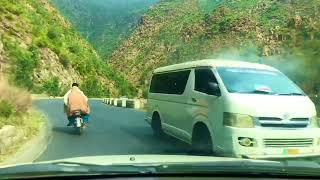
pixel 130 103
pixel 119 103
pixel 115 101
pixel 125 102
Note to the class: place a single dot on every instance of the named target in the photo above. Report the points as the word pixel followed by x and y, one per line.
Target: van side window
pixel 202 78
pixel 170 83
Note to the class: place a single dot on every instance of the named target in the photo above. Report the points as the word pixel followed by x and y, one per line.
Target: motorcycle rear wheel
pixel 79 130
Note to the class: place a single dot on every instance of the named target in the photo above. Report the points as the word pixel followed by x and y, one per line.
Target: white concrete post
pixel 124 102
pixel 137 104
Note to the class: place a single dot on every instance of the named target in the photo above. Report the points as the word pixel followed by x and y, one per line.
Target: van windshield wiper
pixel 290 94
pixel 255 92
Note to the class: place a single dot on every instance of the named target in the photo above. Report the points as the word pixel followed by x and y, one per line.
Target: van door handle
pixel 194 99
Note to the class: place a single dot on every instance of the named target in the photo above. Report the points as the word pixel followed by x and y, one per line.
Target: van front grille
pixel 280 123
pixel 299 119
pixel 269 119
pixel 301 142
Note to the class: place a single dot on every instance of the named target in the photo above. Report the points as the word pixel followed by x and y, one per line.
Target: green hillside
pixel 42 52
pixel 282 33
pixel 104 23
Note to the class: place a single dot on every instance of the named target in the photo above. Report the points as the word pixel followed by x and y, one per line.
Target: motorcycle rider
pixel 75 100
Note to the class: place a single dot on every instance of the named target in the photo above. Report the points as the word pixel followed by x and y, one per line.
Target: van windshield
pixel 257 81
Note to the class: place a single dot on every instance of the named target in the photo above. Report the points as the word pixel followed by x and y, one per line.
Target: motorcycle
pixel 78 123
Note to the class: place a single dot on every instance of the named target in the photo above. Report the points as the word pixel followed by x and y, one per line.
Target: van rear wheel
pixel 156 125
pixel 201 142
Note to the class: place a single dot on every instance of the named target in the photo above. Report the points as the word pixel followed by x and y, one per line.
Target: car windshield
pixel 102 86
pixel 249 80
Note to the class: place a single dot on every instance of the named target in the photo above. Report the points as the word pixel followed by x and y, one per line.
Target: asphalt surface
pixel 111 131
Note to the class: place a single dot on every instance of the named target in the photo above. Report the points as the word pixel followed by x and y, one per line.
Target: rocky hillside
pixel 283 33
pixel 42 52
pixel 104 23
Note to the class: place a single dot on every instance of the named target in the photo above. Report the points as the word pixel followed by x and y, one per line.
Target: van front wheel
pixel 201 142
pixel 156 125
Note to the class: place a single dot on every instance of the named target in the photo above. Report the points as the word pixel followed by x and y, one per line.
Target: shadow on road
pixel 65 130
pixel 159 145
pixel 176 147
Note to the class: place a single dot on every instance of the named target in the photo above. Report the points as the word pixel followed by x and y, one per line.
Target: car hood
pixel 259 105
pixel 157 164
pixel 142 159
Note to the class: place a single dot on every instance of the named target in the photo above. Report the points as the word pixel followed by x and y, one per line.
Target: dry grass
pixel 18 98
pixel 21 115
pixel 20 101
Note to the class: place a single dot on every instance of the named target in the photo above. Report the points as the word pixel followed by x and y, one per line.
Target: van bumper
pixel 272 143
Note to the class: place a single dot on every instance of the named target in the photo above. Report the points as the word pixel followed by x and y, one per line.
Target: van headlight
pixel 314 122
pixel 237 120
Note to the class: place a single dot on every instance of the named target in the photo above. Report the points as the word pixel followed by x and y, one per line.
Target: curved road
pixel 112 131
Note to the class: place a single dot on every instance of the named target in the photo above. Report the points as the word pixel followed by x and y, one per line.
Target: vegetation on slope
pixel 42 52
pixel 104 23
pixel 281 33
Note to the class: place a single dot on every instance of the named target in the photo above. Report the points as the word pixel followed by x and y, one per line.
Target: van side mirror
pixel 213 89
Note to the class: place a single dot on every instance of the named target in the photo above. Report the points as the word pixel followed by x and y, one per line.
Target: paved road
pixel 112 131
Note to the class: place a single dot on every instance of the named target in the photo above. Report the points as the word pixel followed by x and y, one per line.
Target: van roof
pixel 213 63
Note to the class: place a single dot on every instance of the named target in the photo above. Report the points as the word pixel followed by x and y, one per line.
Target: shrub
pixel 64 60
pixel 24 62
pixel 92 87
pixel 34 50
pixel 37 89
pixel 52 34
pixel 6 109
pixel 23 72
pixel 9 17
pixel 52 87
pixel 42 43
pixel 81 67
pixel 56 50
pixel 74 49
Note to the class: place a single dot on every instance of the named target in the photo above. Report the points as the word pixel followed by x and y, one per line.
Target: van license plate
pixel 291 151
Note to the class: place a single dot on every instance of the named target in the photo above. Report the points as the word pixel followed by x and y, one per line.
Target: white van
pixel 233 108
